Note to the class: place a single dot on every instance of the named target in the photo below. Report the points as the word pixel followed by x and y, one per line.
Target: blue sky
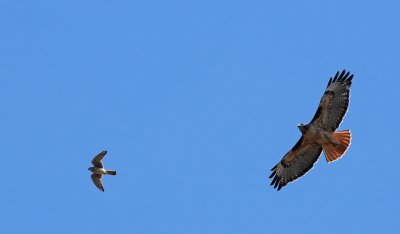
pixel 195 102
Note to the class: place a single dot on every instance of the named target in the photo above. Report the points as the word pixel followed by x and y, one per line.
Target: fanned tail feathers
pixel 335 152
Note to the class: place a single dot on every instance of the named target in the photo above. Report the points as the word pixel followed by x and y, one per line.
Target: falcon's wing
pixel 334 103
pixel 97 160
pixel 299 160
pixel 97 181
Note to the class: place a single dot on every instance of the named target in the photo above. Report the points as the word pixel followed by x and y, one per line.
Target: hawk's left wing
pixel 299 160
pixel 334 103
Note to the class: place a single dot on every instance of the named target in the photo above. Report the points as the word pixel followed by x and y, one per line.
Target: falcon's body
pixel 319 135
pixel 98 170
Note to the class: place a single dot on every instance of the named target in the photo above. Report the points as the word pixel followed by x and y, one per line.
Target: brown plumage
pixel 319 135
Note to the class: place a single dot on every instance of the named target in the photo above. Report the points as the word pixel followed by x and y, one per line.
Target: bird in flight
pixel 98 170
pixel 319 135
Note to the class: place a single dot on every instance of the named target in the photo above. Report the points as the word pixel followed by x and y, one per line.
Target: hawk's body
pixel 98 170
pixel 319 135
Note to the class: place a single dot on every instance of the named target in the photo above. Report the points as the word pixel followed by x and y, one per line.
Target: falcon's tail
pixel 334 152
pixel 111 172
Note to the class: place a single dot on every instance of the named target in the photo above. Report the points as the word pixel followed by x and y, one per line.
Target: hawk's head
pixel 91 169
pixel 303 127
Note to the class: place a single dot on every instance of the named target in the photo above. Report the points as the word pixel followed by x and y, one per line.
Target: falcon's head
pixel 91 169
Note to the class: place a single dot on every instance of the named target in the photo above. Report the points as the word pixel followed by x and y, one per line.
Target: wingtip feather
pixel 345 76
pixel 350 78
pixel 336 76
pixel 273 181
pixel 329 83
pixel 276 183
pixel 342 74
pixel 272 174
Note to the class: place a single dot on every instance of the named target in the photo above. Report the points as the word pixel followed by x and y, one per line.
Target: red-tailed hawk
pixel 319 135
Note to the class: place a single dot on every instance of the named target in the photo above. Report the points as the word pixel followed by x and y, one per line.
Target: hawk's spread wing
pixel 334 103
pixel 97 181
pixel 97 160
pixel 299 160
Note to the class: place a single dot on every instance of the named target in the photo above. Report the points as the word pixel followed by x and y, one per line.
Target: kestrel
pixel 98 170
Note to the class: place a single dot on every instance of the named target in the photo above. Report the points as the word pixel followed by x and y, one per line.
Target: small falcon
pixel 98 170
pixel 319 135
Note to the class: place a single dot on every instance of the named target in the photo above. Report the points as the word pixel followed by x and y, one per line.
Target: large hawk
pixel 319 135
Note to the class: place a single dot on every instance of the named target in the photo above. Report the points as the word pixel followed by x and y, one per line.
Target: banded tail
pixel 111 172
pixel 335 152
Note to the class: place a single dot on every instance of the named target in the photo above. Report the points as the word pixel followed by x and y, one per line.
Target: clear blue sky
pixel 195 101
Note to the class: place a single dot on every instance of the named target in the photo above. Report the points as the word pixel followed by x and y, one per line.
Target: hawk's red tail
pixel 334 152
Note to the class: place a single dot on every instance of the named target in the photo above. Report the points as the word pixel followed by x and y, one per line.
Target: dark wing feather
pixel 97 181
pixel 97 160
pixel 298 161
pixel 334 103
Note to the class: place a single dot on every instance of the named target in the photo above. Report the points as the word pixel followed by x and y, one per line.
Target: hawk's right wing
pixel 97 160
pixel 297 162
pixel 97 181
